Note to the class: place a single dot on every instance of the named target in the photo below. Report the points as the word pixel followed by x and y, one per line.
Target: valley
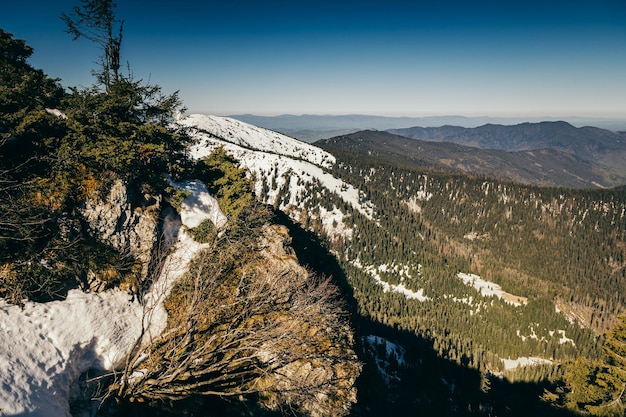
pixel 473 266
pixel 460 288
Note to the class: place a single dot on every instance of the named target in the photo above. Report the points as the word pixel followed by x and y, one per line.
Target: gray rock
pixel 132 231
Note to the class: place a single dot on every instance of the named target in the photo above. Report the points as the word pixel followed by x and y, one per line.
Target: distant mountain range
pixel 547 153
pixel 310 128
pixel 604 149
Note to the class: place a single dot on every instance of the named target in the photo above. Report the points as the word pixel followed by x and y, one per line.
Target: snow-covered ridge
pixel 274 159
pixel 258 139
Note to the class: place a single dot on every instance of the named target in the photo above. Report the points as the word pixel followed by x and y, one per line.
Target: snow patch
pixel 56 113
pixel 533 335
pixel 490 289
pixel 388 361
pixel 563 339
pixel 524 361
pixel 199 205
pixel 374 272
pixel 333 224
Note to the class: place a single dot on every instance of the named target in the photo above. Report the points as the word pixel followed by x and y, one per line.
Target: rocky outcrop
pixel 251 320
pixel 321 383
pixel 113 220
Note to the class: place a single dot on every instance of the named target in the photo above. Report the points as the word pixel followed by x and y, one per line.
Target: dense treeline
pixel 561 250
pixel 533 241
pixel 550 246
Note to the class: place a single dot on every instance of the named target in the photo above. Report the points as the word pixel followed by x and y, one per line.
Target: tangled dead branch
pixel 246 320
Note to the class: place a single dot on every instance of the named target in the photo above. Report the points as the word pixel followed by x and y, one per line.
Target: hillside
pixel 138 270
pixel 420 255
pixel 426 253
pixel 282 337
pixel 546 167
pixel 349 193
pixel 597 146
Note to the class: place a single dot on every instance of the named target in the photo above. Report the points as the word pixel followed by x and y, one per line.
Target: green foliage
pixel 124 130
pixel 227 181
pixel 50 163
pixel 205 232
pixel 599 387
pixel 62 265
pixel 175 196
pixel 24 94
pixel 541 243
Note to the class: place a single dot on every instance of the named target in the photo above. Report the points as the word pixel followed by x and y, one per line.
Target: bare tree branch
pixel 248 321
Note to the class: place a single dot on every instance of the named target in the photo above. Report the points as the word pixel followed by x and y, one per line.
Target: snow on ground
pixel 390 347
pixel 490 289
pixel 385 368
pixel 273 157
pixel 399 288
pixel 533 335
pixel 257 138
pixel 199 205
pixel 470 301
pixel 333 224
pixel 44 348
pixel 524 361
pixel 564 339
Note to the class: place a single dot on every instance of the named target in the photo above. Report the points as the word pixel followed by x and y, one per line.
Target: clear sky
pixel 411 58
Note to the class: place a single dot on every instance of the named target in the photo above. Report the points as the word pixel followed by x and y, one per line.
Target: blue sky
pixel 472 58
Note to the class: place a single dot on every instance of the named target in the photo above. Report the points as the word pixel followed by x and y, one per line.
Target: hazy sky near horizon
pixel 419 58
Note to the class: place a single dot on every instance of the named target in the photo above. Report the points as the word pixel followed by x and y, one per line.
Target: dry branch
pixel 246 321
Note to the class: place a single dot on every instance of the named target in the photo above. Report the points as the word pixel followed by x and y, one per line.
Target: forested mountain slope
pixel 491 274
pixel 429 292
pixel 461 224
pixel 547 166
pixel 595 145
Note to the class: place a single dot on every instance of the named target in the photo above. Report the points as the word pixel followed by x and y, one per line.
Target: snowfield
pixel 44 348
pixel 257 138
pixel 272 157
pixel 490 289
pixel 524 361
